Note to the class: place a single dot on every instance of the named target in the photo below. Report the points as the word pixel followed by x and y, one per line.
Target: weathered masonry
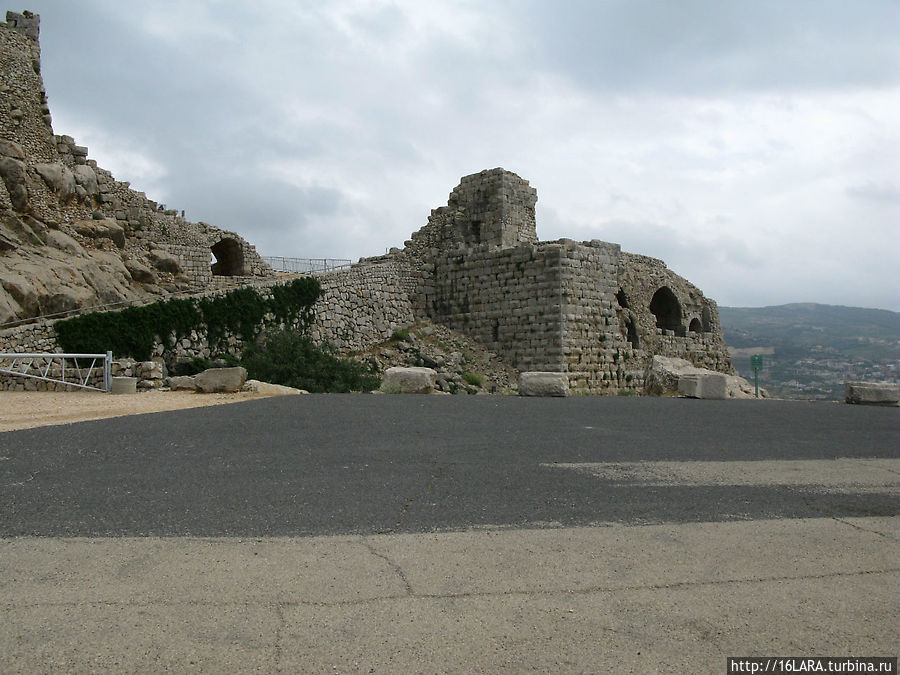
pixel 587 309
pixel 70 234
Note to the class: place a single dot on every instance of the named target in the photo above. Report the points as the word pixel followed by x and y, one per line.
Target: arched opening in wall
pixel 622 299
pixel 706 320
pixel 695 326
pixel 667 310
pixel 631 333
pixel 229 258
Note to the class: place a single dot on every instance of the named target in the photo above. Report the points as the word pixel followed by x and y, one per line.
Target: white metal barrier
pixel 52 368
pixel 305 265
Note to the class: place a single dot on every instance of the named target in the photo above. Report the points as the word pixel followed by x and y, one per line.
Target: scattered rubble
pixel 461 365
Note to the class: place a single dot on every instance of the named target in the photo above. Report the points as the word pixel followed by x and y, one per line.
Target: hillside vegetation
pixel 810 350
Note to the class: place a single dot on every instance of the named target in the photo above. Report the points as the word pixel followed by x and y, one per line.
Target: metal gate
pixel 74 370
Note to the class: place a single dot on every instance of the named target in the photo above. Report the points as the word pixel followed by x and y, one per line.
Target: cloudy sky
pixel 753 146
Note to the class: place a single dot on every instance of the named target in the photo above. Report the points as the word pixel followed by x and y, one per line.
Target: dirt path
pixel 27 409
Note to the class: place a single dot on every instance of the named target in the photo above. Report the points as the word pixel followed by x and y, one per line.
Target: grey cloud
pixel 875 192
pixel 379 108
pixel 248 202
pixel 707 45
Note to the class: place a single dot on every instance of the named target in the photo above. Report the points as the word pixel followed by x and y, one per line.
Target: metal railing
pixel 306 265
pixel 52 368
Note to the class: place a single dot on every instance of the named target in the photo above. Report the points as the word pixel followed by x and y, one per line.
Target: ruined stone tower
pixel 587 309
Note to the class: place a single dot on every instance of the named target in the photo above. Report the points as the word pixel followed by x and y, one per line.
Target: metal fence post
pixel 107 372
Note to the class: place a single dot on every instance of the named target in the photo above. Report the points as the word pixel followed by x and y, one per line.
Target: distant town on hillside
pixel 809 350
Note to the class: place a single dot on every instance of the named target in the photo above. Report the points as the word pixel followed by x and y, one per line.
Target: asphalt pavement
pixel 340 533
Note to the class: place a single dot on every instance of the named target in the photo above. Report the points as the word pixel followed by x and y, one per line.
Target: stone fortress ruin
pixel 71 236
pixel 587 309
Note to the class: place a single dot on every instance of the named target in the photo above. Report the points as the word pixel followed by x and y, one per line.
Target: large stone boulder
pixel 665 374
pixel 872 393
pixel 11 149
pixel 738 387
pixel 106 228
pixel 400 380
pixel 12 172
pixel 165 261
pixel 140 273
pixel 58 177
pixel 86 178
pixel 270 389
pixel 182 383
pixel 541 383
pixel 703 385
pixel 221 380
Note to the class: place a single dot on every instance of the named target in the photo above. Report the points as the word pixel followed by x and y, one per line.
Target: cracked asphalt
pixel 450 534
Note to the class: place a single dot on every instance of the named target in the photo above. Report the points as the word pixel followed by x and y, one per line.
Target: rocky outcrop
pixel 71 236
pixel 462 365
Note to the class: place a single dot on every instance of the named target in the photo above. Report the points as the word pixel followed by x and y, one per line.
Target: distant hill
pixel 810 350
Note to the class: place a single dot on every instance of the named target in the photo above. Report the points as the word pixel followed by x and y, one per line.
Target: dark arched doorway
pixel 667 310
pixel 695 326
pixel 229 259
pixel 631 333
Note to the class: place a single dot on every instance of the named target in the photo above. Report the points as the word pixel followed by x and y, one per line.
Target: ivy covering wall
pixel 131 332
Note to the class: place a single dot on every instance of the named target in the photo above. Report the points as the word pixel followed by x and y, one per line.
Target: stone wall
pixel 686 323
pixel 360 307
pixel 357 308
pixel 587 309
pixel 24 112
pixel 596 358
pixel 508 300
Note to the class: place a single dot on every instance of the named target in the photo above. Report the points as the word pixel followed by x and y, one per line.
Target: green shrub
pixel 191 367
pixel 400 335
pixel 474 379
pixel 292 359
pixel 132 331
pixel 230 359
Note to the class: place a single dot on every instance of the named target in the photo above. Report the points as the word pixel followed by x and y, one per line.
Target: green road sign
pixel 756 362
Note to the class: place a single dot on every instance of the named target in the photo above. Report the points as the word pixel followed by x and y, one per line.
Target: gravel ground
pixel 29 409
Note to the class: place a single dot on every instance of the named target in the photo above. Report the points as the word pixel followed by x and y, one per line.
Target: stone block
pixel 221 380
pixel 182 383
pixel 123 385
pixel 872 393
pixel 703 385
pixel 269 389
pixel 542 383
pixel 400 380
